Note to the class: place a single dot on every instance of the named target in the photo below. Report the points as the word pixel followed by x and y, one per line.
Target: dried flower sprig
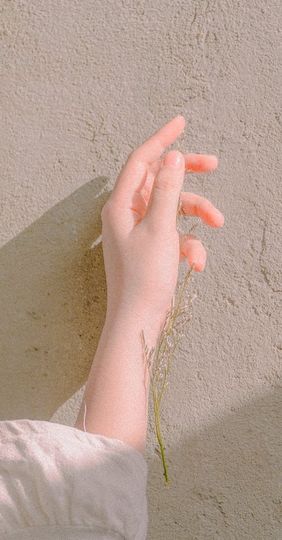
pixel 158 358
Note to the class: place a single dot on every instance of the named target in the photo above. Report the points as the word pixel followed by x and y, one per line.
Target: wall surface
pixel 83 83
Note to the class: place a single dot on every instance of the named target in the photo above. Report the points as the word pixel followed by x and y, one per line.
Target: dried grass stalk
pixel 158 358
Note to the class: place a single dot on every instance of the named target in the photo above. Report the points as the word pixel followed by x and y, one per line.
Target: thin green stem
pixel 159 437
pixel 161 371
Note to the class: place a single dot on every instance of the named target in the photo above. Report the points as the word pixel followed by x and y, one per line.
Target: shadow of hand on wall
pixel 53 305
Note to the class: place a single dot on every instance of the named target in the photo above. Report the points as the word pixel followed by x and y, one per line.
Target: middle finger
pixel 193 163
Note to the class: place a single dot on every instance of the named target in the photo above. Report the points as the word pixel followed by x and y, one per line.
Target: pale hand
pixel 141 245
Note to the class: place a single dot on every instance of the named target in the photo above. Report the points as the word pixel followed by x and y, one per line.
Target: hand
pixel 141 245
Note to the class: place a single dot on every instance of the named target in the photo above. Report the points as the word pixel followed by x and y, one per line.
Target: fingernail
pixel 174 159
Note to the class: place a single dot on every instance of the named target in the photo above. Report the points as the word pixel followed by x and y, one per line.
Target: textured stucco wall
pixel 82 83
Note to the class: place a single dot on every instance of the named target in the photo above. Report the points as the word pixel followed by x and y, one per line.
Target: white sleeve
pixel 58 478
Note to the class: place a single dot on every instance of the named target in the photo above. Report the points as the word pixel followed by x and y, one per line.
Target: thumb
pixel 163 205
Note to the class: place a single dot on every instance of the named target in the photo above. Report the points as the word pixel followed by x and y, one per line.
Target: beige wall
pixel 83 83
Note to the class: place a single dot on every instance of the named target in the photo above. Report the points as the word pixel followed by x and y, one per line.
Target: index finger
pixel 154 147
pixel 133 174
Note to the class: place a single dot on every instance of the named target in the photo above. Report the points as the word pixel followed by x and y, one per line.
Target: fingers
pixel 192 205
pixel 200 162
pixel 133 174
pixel 196 205
pixel 163 203
pixel 153 148
pixel 192 249
pixel 194 163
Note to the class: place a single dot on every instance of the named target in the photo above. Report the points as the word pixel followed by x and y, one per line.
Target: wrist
pixel 142 309
pixel 132 319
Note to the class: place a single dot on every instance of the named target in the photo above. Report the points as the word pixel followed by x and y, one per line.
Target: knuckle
pixel 164 183
pixel 205 203
pixel 201 201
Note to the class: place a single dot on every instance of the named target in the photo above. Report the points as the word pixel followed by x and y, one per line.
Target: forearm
pixel 117 389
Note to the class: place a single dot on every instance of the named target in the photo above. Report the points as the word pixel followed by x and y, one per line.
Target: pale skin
pixel 142 251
